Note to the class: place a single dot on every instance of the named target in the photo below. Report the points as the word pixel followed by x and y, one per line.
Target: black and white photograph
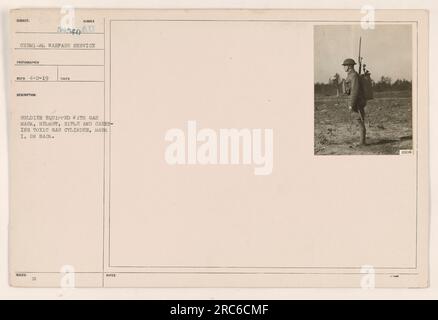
pixel 363 89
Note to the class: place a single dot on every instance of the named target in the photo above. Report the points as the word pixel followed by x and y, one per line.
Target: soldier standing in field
pixel 357 101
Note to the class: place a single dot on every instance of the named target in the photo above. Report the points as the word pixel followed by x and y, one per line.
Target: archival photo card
pixel 185 148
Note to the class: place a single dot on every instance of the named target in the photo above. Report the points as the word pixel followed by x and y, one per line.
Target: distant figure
pixel 357 101
pixel 336 82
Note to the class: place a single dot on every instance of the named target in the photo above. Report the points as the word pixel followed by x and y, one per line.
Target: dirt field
pixel 388 122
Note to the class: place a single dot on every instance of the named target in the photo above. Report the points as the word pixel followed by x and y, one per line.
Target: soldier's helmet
pixel 349 62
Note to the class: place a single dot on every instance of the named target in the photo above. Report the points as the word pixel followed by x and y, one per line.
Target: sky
pixel 386 50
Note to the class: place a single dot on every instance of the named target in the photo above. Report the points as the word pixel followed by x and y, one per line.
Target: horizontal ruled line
pixel 60 33
pixel 72 49
pixel 66 81
pixel 59 65
pixel 208 272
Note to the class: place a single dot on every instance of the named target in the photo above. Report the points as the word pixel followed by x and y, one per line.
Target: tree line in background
pixel 334 85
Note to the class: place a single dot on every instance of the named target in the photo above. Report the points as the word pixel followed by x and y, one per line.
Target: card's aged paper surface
pixel 218 148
